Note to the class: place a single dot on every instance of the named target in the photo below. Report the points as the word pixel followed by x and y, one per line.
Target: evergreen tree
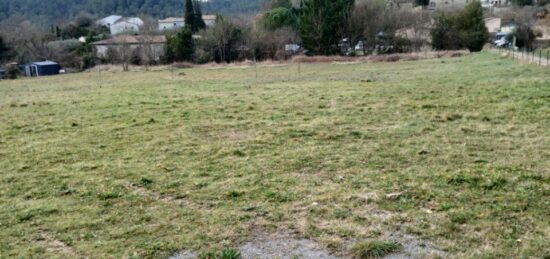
pixel 323 24
pixel 190 16
pixel 180 46
pixel 465 29
pixel 199 22
pixel 5 52
pixel 471 25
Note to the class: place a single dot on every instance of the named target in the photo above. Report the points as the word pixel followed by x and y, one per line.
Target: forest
pixel 58 11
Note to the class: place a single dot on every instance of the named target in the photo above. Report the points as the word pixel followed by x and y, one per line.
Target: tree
pixel 279 4
pixel 190 15
pixel 199 22
pixel 180 46
pixel 323 24
pixel 29 43
pixel 465 29
pixel 222 41
pixel 444 34
pixel 279 18
pixel 5 52
pixel 524 37
pixel 471 25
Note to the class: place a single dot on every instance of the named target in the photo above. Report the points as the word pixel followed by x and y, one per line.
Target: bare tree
pixel 29 42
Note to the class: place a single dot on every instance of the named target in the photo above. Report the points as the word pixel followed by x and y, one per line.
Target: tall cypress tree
pixel 199 22
pixel 190 16
pixel 5 52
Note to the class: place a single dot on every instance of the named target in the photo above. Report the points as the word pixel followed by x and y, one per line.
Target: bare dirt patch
pixel 413 247
pixel 282 246
pixel 144 192
pixel 54 245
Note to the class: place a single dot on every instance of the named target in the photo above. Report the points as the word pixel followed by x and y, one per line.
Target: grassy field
pixel 455 152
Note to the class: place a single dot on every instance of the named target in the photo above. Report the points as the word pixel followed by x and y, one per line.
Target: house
pixel 154 43
pixel 41 68
pixel 179 22
pixel 209 20
pixel 109 20
pixel 118 24
pixel 171 23
pixel 493 24
pixel 130 25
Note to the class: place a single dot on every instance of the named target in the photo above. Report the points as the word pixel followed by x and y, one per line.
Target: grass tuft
pixel 374 249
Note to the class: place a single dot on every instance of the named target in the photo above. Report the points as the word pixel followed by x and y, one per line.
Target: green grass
pixel 374 249
pixel 143 164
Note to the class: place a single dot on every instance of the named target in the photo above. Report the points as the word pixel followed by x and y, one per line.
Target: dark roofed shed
pixel 42 68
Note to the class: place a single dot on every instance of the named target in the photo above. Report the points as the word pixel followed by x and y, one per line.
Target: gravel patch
pixel 283 247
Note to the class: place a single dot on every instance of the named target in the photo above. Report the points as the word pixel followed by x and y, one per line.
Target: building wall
pixel 124 27
pixel 493 25
pixel 170 25
pixel 210 22
pixel 156 49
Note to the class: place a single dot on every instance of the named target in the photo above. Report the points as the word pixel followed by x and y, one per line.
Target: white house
pixel 109 20
pixel 209 20
pixel 179 22
pixel 118 24
pixel 171 23
pixel 126 25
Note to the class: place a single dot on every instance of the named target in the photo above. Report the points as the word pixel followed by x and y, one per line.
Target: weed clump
pixel 224 254
pixel 374 249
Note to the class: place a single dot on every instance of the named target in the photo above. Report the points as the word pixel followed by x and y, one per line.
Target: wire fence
pixel 538 56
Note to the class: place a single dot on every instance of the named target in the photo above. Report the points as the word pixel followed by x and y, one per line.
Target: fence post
pixel 547 56
pixel 540 56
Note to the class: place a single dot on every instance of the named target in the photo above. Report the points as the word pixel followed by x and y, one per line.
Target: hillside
pixel 57 11
pixel 446 156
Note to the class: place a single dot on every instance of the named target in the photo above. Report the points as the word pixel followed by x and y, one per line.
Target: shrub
pixel 13 72
pixel 374 249
pixel 465 29
pixel 182 65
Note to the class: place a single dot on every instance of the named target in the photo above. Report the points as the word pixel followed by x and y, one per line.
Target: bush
pixel 180 46
pixel 182 65
pixel 465 29
pixel 13 72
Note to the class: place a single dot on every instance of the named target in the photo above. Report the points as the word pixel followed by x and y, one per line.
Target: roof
pixel 172 20
pixel 132 39
pixel 134 20
pixel 109 19
pixel 44 63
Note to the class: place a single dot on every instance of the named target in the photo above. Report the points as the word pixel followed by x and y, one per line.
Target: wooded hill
pixel 57 11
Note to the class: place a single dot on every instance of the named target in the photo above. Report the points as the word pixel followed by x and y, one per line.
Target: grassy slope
pixel 465 140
